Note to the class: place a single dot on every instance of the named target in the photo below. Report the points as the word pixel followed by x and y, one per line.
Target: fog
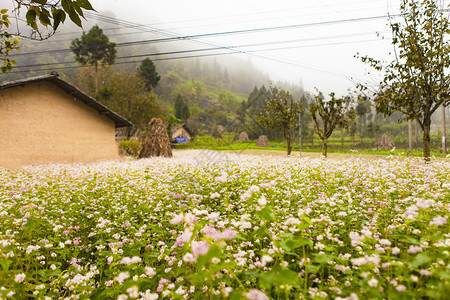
pixel 319 52
pixel 309 43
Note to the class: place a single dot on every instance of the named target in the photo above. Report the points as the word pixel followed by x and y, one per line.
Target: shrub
pixel 131 147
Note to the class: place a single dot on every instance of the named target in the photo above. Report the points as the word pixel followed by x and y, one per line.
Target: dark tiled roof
pixel 72 90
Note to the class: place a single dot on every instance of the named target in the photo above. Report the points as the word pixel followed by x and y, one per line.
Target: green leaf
pixel 421 259
pixel 74 17
pixel 85 4
pixel 323 258
pixel 278 276
pixel 31 17
pixel 44 17
pixel 295 243
pixel 4 11
pixel 40 1
pixel 313 269
pixel 266 214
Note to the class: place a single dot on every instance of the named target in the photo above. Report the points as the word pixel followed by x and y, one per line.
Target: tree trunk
pixel 426 139
pixel 342 138
pixel 324 147
pixel 96 79
pixel 410 136
pixel 416 133
pixel 288 141
pixel 444 136
pixel 312 138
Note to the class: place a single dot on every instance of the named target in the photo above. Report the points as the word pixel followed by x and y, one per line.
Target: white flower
pixel 262 201
pixel 133 292
pixel 122 297
pixel 372 282
pixel 265 259
pixel 19 277
pixel 122 277
pixel 438 221
pixel 150 272
pixel 188 257
pixel 215 195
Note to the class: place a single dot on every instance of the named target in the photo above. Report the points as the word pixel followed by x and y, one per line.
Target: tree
pixel 329 114
pixel 49 14
pixel 281 112
pixel 181 109
pixel 149 73
pixel 124 93
pixel 94 48
pixel 362 109
pixel 416 82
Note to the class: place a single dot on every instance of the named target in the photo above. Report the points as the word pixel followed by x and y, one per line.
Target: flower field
pixel 250 227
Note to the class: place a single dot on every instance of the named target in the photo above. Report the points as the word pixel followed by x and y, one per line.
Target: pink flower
pixel 200 248
pixel 256 295
pixel 177 219
pixel 126 224
pixel 212 233
pixel 229 234
pixel 395 250
pixel 414 249
pixel 400 288
pixel 438 221
pixel 425 272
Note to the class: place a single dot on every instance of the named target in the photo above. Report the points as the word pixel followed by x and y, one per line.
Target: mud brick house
pixel 45 119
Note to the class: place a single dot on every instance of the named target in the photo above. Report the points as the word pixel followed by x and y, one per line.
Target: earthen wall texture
pixel 40 123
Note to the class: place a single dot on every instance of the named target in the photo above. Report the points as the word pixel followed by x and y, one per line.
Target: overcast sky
pixel 320 53
pixel 312 41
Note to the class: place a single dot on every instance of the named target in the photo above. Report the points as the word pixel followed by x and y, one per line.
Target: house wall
pixel 41 123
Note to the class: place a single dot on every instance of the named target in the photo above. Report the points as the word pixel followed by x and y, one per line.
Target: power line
pixel 200 55
pixel 216 34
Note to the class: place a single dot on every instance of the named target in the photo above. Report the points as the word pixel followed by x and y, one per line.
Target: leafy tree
pixel 362 108
pixel 416 82
pixel 48 13
pixel 326 116
pixel 94 48
pixel 281 112
pixel 124 93
pixel 171 121
pixel 149 73
pixel 181 109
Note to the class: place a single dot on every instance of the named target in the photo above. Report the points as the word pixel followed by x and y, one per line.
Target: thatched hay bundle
pixel 156 141
pixel 262 141
pixel 243 137
pixel 384 143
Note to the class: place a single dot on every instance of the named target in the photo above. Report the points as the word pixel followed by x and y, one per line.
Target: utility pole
pixel 410 136
pixel 444 142
pixel 300 132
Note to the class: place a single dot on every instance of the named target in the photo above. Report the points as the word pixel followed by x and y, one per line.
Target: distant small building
pixel 45 119
pixel 182 133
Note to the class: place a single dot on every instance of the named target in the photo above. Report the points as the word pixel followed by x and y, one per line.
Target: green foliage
pixel 181 109
pixel 124 93
pixel 281 112
pixel 327 115
pixel 47 13
pixel 416 82
pixel 148 71
pixel 131 147
pixel 7 42
pixel 93 48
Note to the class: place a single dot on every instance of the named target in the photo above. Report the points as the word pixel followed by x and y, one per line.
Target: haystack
pixel 156 141
pixel 262 141
pixel 384 143
pixel 243 137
